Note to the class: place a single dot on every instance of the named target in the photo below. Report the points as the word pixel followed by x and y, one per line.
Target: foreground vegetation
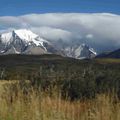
pixel 16 104
pixel 51 87
pixel 76 79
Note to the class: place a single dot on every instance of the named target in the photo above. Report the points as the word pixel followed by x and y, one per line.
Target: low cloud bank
pixel 99 30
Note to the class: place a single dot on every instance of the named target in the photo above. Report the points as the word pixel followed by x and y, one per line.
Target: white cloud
pixel 89 36
pixel 52 33
pixel 100 30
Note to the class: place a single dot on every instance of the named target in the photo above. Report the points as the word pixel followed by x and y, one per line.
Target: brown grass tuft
pixel 39 106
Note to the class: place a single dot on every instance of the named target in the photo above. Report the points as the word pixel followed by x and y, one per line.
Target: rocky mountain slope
pixel 24 41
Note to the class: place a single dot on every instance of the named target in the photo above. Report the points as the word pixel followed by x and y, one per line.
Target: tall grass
pixel 16 104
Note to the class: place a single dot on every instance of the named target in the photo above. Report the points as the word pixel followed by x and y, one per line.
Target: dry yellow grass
pixel 34 106
pixel 108 60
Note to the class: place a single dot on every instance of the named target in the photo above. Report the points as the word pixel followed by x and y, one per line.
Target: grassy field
pixel 108 61
pixel 39 106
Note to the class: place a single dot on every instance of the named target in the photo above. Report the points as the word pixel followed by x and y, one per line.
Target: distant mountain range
pixel 113 54
pixel 24 41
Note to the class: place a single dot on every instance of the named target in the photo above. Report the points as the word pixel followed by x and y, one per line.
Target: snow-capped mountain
pixel 24 41
pixel 80 51
pixel 75 49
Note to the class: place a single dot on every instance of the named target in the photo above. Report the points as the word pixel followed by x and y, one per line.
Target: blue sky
pixel 20 7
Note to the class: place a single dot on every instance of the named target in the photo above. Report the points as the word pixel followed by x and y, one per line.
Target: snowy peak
pixel 86 47
pixel 24 41
pixel 25 34
pixel 80 51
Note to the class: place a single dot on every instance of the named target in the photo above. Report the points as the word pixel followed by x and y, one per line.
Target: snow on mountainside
pixel 80 51
pixel 25 35
pixel 24 41
pixel 5 38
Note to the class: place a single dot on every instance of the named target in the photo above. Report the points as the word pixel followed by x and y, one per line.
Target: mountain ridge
pixel 24 41
pixel 112 54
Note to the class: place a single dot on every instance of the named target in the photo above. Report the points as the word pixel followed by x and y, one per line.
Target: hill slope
pixel 113 54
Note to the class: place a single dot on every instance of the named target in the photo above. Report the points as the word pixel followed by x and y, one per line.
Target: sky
pixel 20 7
pixel 94 22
